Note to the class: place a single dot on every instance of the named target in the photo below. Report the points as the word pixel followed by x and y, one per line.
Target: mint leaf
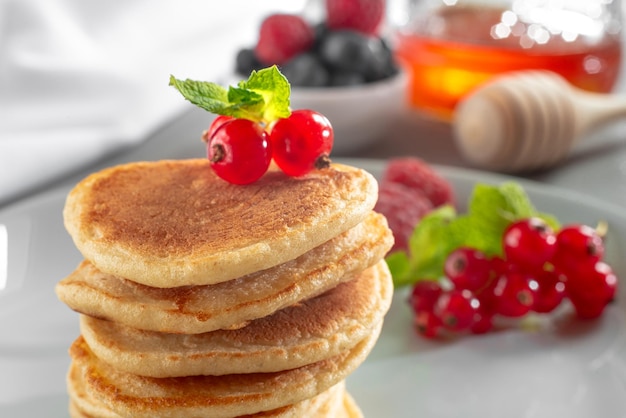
pixel 468 231
pixel 517 200
pixel 274 88
pixel 551 220
pixel 428 246
pixel 398 263
pixel 490 210
pixel 264 97
pixel 209 96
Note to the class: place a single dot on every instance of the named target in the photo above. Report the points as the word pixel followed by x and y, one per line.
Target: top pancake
pixel 174 222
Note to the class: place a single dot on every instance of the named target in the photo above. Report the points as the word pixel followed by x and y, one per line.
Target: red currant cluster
pixel 539 270
pixel 240 150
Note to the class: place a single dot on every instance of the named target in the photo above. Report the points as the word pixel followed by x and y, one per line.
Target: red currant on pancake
pixel 302 142
pixel 529 243
pixel 239 151
pixel 215 125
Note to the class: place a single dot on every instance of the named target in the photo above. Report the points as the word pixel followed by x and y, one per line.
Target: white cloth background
pixel 82 78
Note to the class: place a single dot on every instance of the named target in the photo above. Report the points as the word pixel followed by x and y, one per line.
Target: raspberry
pixel 404 208
pixel 417 174
pixel 363 16
pixel 282 37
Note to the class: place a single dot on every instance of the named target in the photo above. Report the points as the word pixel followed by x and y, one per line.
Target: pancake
pixel 350 408
pixel 301 334
pixel 330 403
pixel 211 396
pixel 199 309
pixel 175 223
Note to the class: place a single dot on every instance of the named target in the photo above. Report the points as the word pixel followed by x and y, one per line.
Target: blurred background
pixel 80 80
pixel 83 81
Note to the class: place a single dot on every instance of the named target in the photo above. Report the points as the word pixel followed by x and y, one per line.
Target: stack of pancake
pixel 199 298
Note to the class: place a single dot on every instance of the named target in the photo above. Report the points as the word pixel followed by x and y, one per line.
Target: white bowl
pixel 360 115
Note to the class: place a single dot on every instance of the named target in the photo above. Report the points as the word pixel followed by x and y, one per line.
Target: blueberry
pixel 305 70
pixel 246 61
pixel 351 51
pixel 321 31
pixel 382 64
pixel 345 50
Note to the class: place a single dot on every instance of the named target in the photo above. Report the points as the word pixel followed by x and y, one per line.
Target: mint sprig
pixel 263 98
pixel 490 210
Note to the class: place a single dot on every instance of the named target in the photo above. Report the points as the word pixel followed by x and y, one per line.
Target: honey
pixel 473 44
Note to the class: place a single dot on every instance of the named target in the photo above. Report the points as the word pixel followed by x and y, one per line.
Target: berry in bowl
pixel 341 67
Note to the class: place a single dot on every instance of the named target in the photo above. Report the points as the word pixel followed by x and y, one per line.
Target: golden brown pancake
pixel 304 333
pixel 198 309
pixel 210 396
pixel 328 404
pixel 175 223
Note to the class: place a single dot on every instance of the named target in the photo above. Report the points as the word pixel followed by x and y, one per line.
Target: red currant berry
pixel 456 309
pixel 302 142
pixel 587 309
pixel 594 281
pixel 515 293
pixel 485 295
pixel 550 292
pixel 529 243
pixel 427 324
pixel 215 125
pixel 487 298
pixel 499 266
pixel 239 151
pixel 424 295
pixel 467 268
pixel 483 323
pixel 576 244
pixel 591 289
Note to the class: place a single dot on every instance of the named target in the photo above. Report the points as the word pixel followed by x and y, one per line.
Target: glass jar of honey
pixel 450 47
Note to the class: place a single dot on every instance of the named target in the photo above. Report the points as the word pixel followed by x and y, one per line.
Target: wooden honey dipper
pixel 528 120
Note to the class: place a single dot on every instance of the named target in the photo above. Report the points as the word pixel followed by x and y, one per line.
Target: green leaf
pixel 488 215
pixel 470 231
pixel 517 200
pixel 208 96
pixel 264 97
pixel 431 242
pixel 551 220
pixel 490 210
pixel 400 268
pixel 427 247
pixel 275 89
